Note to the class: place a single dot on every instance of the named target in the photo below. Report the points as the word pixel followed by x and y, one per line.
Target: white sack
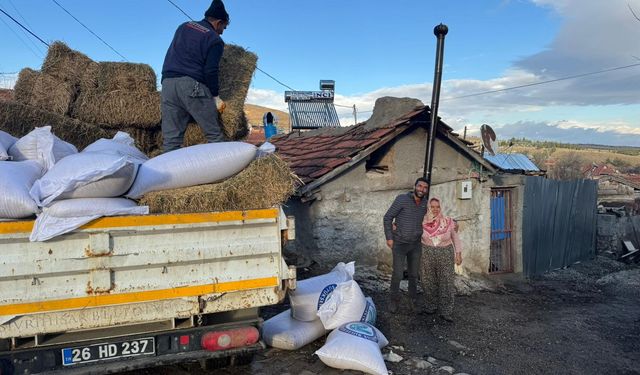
pixel 190 166
pixel 370 313
pixel 345 304
pixel 41 145
pixel 16 178
pixel 355 346
pixel 6 141
pixel 121 144
pixel 66 215
pixel 284 332
pixel 85 175
pixel 311 293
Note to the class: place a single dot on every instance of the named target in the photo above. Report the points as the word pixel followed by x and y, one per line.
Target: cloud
pixel 570 132
pixel 595 35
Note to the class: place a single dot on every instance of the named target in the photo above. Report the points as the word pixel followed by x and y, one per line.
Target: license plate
pixel 104 351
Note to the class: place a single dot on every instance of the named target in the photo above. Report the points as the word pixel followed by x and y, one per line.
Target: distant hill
pixel 255 113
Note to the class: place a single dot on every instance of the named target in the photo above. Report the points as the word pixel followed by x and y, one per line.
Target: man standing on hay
pixel 190 78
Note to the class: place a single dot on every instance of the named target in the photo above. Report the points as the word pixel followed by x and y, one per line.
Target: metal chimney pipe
pixel 440 32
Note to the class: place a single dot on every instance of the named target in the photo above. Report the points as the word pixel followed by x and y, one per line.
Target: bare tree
pixel 568 167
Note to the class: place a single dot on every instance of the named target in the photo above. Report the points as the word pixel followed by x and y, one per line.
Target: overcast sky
pixel 376 48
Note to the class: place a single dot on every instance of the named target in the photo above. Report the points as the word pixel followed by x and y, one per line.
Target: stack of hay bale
pixel 84 101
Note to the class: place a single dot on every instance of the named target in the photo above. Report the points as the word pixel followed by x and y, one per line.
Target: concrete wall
pixel 344 223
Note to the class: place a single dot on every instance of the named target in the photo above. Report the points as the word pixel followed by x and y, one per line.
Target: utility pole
pixel 355 115
pixel 464 136
pixel 440 32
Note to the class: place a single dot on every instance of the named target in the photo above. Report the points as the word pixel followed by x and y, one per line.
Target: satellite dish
pixel 489 139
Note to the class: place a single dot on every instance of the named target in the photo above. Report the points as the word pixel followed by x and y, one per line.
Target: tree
pixel 568 167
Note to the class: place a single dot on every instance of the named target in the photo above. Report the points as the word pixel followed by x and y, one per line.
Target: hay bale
pixel 23 89
pixel 45 92
pixel 113 76
pixel 147 140
pixel 65 64
pixel 266 182
pixel 236 69
pixel 117 109
pixel 19 119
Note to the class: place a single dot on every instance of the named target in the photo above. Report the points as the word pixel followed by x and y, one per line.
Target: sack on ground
pixel 66 215
pixel 85 175
pixel 190 166
pixel 121 144
pixel 284 332
pixel 6 141
pixel 355 346
pixel 43 146
pixel 346 303
pixel 370 313
pixel 16 178
pixel 311 293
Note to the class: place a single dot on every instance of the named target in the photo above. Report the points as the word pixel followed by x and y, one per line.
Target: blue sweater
pixel 195 52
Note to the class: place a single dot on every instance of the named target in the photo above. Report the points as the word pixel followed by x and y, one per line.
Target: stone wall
pixel 612 230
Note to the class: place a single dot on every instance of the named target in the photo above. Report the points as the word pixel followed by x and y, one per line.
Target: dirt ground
pixel 581 320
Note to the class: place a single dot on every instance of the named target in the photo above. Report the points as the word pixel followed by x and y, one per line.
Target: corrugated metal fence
pixel 559 223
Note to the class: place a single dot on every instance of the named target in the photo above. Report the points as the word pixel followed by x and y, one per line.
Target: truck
pixel 130 292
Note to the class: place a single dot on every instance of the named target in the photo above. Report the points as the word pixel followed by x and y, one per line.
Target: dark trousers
pixel 182 99
pixel 409 253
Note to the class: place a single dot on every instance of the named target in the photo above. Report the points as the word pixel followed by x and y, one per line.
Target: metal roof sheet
pixel 510 162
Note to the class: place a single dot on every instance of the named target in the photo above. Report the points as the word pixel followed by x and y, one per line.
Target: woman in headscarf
pixel 441 248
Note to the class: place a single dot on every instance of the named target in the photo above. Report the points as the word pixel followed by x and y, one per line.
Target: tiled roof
pixel 313 154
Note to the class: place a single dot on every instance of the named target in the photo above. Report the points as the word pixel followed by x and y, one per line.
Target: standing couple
pixel 417 232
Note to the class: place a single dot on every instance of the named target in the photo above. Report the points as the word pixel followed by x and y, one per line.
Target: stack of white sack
pixel 346 304
pixel 190 166
pixel 42 146
pixel 66 215
pixel 287 331
pixel 88 185
pixel 6 141
pixel 311 293
pixel 16 178
pixel 355 346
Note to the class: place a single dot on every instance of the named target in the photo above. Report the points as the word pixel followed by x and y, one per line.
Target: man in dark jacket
pixel 190 78
pixel 403 230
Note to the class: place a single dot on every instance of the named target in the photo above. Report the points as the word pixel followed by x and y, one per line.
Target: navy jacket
pixel 195 52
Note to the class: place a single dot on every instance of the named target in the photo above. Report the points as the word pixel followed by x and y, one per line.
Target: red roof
pixel 600 170
pixel 315 153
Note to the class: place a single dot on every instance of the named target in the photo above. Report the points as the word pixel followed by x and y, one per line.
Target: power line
pixel 91 31
pixel 28 24
pixel 21 39
pixel 180 9
pixel 21 25
pixel 545 82
pixel 275 79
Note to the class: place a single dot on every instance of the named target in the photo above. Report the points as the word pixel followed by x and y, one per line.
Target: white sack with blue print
pixel 311 293
pixel 355 346
pixel 346 303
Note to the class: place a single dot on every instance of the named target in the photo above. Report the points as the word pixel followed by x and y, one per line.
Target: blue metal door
pixel 500 259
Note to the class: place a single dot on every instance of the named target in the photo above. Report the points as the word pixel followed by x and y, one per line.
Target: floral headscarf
pixel 435 226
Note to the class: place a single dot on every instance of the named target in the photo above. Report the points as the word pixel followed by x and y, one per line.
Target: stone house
pixel 352 174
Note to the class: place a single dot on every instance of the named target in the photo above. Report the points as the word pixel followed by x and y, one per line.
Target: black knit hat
pixel 217 11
